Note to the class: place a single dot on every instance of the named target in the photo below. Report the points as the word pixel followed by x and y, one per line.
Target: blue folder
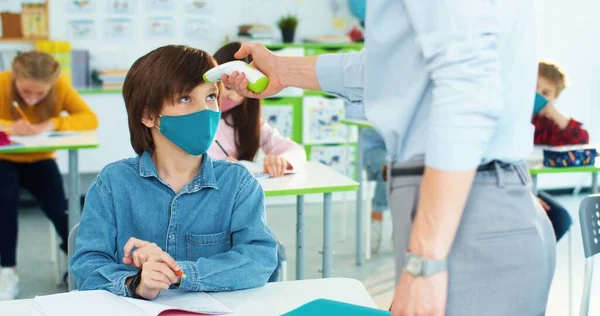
pixel 328 307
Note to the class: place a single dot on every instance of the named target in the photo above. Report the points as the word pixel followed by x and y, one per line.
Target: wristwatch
pixel 418 266
pixel 132 288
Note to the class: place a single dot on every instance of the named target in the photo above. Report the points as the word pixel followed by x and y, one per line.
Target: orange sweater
pixel 80 117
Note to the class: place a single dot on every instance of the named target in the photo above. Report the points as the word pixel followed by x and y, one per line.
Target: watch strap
pixel 132 288
pixel 431 267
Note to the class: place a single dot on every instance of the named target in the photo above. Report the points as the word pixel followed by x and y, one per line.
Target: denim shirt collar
pixel 204 179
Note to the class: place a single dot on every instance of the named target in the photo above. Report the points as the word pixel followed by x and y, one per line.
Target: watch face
pixel 414 265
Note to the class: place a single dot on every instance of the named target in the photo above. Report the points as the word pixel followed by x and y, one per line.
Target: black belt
pixel 419 170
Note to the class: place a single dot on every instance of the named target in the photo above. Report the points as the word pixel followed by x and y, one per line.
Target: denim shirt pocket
pixel 204 246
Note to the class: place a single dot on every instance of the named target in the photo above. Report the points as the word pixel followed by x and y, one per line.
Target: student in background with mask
pixel 33 97
pixel 242 131
pixel 173 210
pixel 554 128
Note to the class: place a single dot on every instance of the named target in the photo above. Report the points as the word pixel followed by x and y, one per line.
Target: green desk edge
pixel 344 188
pixel 25 150
pixel 355 123
pixel 316 45
pixel 540 169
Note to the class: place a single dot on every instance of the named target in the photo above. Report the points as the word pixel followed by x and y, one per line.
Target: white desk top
pixel 70 140
pixel 272 299
pixel 313 179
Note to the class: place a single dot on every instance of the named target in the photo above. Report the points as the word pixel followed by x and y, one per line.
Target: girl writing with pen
pixel 242 132
pixel 33 97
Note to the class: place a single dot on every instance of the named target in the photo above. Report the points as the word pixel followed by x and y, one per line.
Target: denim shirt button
pixel 171 237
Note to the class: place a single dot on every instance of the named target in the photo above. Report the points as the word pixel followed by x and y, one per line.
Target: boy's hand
pixel 551 112
pixel 146 252
pixel 156 276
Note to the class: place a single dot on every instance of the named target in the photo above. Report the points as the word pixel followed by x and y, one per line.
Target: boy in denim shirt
pixel 172 217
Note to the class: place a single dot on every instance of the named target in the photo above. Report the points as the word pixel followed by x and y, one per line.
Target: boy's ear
pixel 148 120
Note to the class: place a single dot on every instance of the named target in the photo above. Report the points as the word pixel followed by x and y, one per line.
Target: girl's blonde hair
pixel 41 67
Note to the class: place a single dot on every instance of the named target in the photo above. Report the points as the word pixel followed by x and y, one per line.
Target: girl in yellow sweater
pixel 43 96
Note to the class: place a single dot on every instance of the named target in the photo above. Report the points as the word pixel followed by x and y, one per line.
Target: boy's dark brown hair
pixel 245 119
pixel 554 73
pixel 163 75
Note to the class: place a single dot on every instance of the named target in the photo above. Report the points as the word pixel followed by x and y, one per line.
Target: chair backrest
pixel 589 217
pixel 71 249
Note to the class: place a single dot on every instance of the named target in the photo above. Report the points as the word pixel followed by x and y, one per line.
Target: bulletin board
pixel 24 20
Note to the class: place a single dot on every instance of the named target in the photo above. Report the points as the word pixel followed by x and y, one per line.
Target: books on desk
pixel 103 303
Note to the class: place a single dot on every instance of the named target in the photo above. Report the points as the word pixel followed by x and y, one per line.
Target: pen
pixel 222 149
pixel 180 273
pixel 21 113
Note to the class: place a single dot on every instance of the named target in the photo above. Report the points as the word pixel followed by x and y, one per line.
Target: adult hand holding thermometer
pixel 282 72
pixel 257 81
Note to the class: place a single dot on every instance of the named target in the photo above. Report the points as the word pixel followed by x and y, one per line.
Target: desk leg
pixel 74 196
pixel 570 268
pixel 359 203
pixel 534 183
pixel 74 207
pixel 300 237
pixel 594 188
pixel 327 239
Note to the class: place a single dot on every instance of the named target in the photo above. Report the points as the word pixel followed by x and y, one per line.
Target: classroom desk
pixel 315 178
pixel 73 143
pixel 360 124
pixel 273 299
pixel 539 169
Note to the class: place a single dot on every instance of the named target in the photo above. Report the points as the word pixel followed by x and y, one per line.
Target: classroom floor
pixel 37 273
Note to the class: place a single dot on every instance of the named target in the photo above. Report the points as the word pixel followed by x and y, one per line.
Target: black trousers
pixel 45 183
pixel 559 216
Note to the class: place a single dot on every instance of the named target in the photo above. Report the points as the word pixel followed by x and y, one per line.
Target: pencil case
pixel 4 139
pixel 570 157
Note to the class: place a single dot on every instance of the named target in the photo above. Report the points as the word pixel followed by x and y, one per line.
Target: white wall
pixel 314 19
pixel 569 32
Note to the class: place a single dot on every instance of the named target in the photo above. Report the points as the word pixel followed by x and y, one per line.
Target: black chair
pixel 589 217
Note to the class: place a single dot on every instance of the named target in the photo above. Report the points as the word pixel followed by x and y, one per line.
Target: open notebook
pixel 103 303
pixel 258 169
pixel 20 141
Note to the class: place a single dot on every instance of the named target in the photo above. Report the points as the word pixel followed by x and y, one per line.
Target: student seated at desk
pixel 173 209
pixel 555 129
pixel 552 127
pixel 33 97
pixel 242 131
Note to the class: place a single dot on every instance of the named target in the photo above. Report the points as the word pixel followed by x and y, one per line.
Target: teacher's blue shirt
pixel 451 82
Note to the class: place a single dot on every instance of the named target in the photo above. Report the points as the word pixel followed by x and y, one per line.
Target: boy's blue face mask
pixel 194 132
pixel 539 104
